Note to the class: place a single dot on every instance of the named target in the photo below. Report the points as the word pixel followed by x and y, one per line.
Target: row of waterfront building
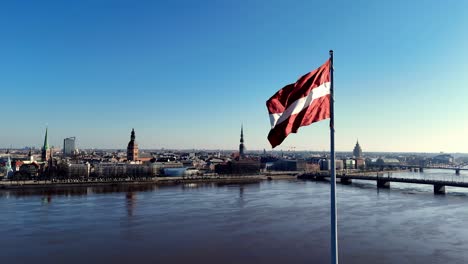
pixel 71 163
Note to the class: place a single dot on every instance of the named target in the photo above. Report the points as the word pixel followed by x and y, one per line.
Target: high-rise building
pixel 241 145
pixel 46 151
pixel 69 146
pixel 132 148
pixel 357 152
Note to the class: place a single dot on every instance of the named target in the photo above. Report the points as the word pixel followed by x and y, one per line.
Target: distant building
pixel 312 167
pixel 119 170
pixel 284 165
pixel 159 167
pixel 349 164
pixel 325 164
pixel 387 162
pixel 357 152
pixel 187 163
pixel 78 170
pixel 239 167
pixel 29 170
pixel 360 163
pixel 212 163
pixel 442 159
pixel 132 148
pixel 69 146
pixel 46 151
pixel 301 165
pixel 241 145
pixel 145 157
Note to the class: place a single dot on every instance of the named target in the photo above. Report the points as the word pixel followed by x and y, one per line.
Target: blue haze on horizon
pixel 186 74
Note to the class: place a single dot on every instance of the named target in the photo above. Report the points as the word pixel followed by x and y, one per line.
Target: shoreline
pixel 159 181
pixel 162 181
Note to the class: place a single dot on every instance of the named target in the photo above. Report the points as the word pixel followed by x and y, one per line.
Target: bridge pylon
pixel 381 183
pixel 439 189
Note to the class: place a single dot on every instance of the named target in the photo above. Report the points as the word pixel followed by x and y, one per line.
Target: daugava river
pixel 283 221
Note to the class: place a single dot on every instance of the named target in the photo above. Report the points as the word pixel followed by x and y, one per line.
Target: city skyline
pixel 279 149
pixel 90 61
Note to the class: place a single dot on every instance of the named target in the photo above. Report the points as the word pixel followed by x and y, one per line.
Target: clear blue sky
pixel 186 74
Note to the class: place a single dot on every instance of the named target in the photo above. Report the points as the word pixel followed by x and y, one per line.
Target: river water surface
pixel 284 221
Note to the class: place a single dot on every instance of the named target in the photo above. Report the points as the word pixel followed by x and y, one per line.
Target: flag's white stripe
pixel 300 104
pixel 274 118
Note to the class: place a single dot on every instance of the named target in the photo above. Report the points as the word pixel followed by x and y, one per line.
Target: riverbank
pixel 223 179
pixel 244 179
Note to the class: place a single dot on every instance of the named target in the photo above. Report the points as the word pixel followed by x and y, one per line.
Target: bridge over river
pixel 384 179
pixel 456 167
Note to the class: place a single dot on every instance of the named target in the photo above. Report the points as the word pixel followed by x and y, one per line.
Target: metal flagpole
pixel 334 231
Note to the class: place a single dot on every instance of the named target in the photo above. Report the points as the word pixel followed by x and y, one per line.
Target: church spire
pixel 46 151
pixel 242 134
pixel 46 141
pixel 241 145
pixel 132 136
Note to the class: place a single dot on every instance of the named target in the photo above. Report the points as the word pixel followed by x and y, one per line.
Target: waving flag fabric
pixel 299 104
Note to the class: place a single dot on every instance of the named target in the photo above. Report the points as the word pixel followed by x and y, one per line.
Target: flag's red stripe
pixel 278 102
pixel 292 92
pixel 318 110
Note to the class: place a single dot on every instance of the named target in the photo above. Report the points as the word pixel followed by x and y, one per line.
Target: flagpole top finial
pixel 331 52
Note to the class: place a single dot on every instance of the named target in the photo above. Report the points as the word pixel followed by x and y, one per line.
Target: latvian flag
pixel 299 104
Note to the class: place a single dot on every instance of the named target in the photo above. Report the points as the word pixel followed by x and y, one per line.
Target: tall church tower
pixel 132 148
pixel 357 152
pixel 241 145
pixel 46 151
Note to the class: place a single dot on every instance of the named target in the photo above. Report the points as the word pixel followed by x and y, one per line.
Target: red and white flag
pixel 299 104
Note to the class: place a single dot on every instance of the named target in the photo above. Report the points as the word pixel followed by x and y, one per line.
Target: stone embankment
pixel 231 179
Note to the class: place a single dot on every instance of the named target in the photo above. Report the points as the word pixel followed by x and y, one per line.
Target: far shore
pixel 221 179
pixel 238 179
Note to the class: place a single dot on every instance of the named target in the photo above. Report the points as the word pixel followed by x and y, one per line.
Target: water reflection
pixel 130 202
pixel 47 199
pixel 271 222
pixel 241 196
pixel 76 191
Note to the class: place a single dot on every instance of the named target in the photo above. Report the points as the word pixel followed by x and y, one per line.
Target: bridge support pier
pixel 320 178
pixel 439 189
pixel 345 181
pixel 383 184
pixel 457 171
pixel 421 169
